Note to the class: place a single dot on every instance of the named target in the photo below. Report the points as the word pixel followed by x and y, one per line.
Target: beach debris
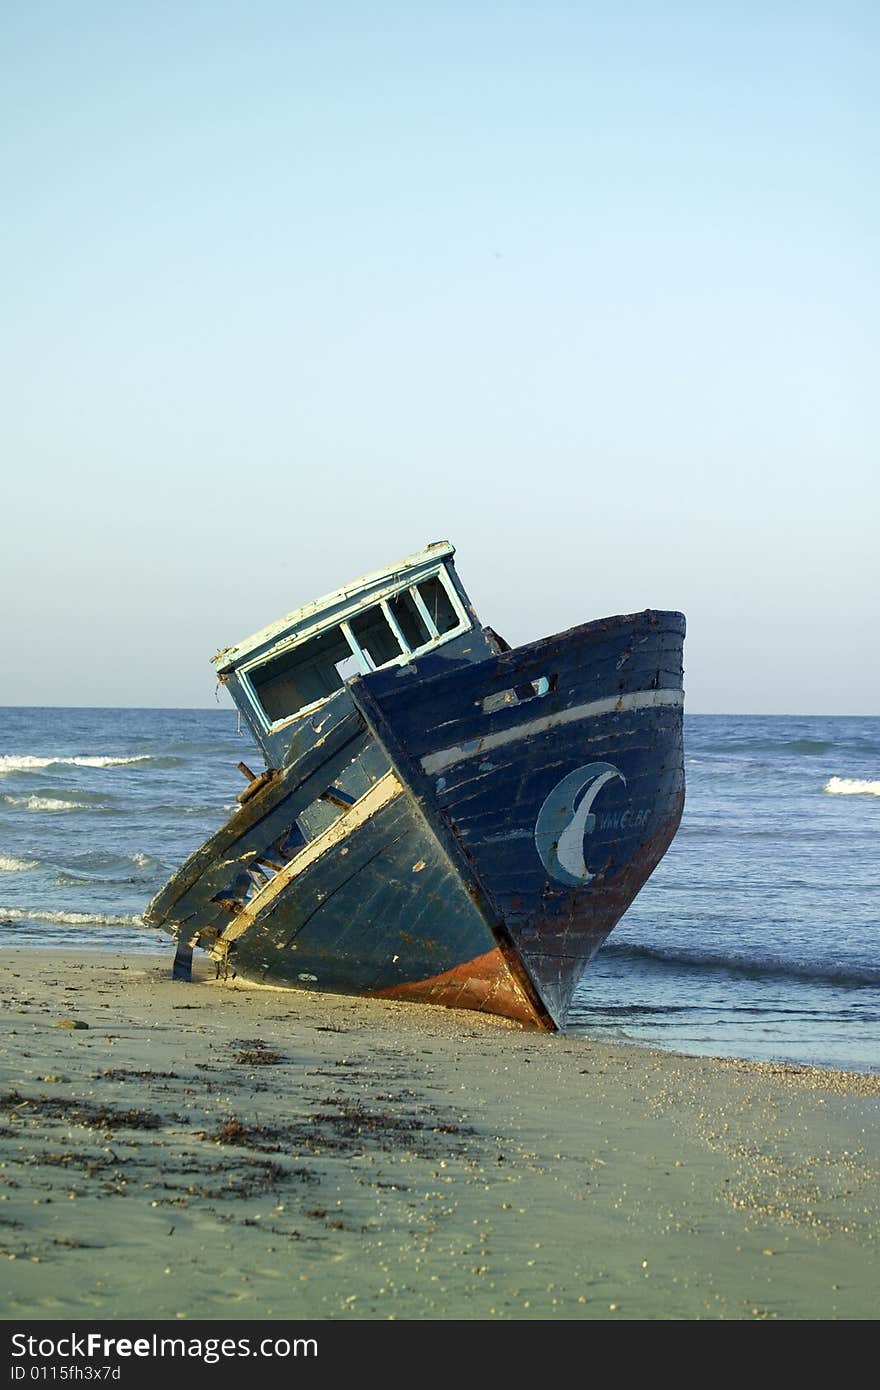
pixel 256 1053
pixel 69 1023
pixel 83 1112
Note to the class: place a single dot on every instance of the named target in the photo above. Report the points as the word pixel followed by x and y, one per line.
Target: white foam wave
pixel 851 786
pixel 46 803
pixel 10 865
pixel 26 762
pixel 73 919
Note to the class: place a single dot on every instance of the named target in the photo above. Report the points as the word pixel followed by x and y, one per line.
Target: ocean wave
pixel 808 747
pixel 223 747
pixel 47 803
pixel 10 865
pixel 27 762
pixel 84 864
pixel 9 915
pixel 76 878
pixel 851 786
pixel 853 977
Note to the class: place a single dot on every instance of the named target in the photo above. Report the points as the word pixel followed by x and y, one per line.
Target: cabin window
pixel 439 605
pixel 349 666
pixel 304 674
pixel 406 623
pixel 409 620
pixel 374 637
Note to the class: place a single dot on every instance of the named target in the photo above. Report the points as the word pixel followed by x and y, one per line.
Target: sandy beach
pixel 217 1151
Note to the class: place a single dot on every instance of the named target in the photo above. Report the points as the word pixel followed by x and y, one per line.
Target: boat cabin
pixel 393 617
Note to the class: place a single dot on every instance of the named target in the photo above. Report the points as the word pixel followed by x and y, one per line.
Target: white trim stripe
pixel 379 795
pixel 637 699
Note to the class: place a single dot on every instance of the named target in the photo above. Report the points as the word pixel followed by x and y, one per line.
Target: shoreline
pixel 225 1151
pixel 132 948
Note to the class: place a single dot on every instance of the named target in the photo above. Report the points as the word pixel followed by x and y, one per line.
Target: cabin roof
pixel 368 587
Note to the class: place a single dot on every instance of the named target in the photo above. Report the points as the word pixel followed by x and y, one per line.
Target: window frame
pixel 342 622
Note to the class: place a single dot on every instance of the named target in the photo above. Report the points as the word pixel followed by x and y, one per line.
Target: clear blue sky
pixel 290 290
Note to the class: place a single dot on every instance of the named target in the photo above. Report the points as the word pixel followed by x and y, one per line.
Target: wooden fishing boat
pixel 441 818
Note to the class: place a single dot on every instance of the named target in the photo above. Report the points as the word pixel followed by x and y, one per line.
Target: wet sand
pixel 212 1151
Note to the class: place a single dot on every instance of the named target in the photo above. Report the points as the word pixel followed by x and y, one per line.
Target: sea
pixel 758 935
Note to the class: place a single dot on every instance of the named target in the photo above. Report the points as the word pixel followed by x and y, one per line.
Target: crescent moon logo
pixel 566 818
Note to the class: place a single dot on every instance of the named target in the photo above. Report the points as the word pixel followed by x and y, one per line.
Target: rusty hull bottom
pixel 485 984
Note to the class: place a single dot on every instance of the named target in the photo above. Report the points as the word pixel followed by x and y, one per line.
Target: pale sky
pixel 290 290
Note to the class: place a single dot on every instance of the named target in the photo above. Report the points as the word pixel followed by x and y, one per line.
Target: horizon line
pixel 221 709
